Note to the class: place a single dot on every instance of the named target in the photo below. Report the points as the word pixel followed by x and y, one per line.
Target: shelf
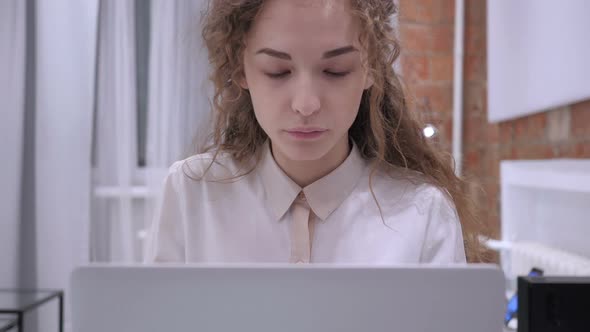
pixel 556 174
pixel 544 203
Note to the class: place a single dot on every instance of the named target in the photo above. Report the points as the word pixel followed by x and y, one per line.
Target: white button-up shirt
pixel 220 218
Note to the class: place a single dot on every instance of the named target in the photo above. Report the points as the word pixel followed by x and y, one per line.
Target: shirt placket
pixel 301 230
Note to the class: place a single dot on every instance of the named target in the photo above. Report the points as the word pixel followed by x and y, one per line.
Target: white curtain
pixel 47 56
pixel 12 88
pixel 65 58
pixel 115 161
pixel 71 187
pixel 66 61
pixel 66 34
pixel 177 116
pixel 179 90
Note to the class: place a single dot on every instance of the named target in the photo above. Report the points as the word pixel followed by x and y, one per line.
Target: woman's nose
pixel 306 100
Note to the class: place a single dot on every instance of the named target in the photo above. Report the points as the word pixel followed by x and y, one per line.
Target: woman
pixel 315 156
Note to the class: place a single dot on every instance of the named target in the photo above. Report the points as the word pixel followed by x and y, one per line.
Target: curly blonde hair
pixel 385 131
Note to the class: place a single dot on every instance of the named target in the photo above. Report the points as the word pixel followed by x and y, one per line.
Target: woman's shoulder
pixel 401 187
pixel 208 166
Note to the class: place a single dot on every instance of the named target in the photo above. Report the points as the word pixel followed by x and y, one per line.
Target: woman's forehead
pixel 325 23
pixel 312 3
pixel 274 10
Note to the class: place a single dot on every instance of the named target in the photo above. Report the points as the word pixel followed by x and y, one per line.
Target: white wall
pixel 538 53
pixel 66 40
pixel 66 32
pixel 12 73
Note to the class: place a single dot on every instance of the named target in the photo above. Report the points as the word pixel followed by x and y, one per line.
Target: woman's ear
pixel 369 81
pixel 243 82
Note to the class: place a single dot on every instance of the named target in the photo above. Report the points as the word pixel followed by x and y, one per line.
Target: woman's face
pixel 303 69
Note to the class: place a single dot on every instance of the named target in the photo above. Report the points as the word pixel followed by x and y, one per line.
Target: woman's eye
pixel 336 73
pixel 330 73
pixel 278 75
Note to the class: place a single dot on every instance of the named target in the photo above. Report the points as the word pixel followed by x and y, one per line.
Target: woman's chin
pixel 301 151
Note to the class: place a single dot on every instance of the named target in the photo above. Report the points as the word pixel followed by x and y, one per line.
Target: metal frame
pixel 12 322
pixel 20 312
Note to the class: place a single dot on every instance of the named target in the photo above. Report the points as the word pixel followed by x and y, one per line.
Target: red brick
pixel 493 223
pixel 537 126
pixel 475 68
pixel 415 68
pixel 530 129
pixel 474 187
pixel 492 133
pixel 419 11
pixel 505 153
pixel 573 149
pixel 490 208
pixel 565 150
pixel 492 191
pixel 580 119
pixel 475 40
pixel 506 132
pixel 419 102
pixel 475 11
pixel 473 130
pixel 447 132
pixel 441 67
pixel 416 38
pixel 474 99
pixel 533 151
pixel 472 162
pixel 446 10
pixel 485 202
pixel 427 114
pixel 492 162
pixel 582 149
pixel 438 96
pixel 487 155
pixel 442 38
pixel 520 129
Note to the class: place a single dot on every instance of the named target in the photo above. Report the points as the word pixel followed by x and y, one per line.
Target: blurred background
pixel 99 97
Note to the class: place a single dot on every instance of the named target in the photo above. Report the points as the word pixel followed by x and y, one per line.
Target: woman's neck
pixel 307 172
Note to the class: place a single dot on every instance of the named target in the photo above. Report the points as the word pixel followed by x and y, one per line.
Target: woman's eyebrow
pixel 286 56
pixel 339 51
pixel 274 53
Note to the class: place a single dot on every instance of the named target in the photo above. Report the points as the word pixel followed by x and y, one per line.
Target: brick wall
pixel 426 31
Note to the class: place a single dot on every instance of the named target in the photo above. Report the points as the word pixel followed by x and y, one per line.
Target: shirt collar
pixel 323 196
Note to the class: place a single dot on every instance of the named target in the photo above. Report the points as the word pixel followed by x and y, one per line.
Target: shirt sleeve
pixel 165 240
pixel 443 243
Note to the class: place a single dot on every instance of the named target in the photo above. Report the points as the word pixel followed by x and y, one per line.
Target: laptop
pixel 287 298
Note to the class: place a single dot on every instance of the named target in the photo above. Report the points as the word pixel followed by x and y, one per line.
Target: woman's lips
pixel 306 133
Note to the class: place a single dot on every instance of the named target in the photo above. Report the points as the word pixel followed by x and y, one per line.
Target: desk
pixel 18 302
